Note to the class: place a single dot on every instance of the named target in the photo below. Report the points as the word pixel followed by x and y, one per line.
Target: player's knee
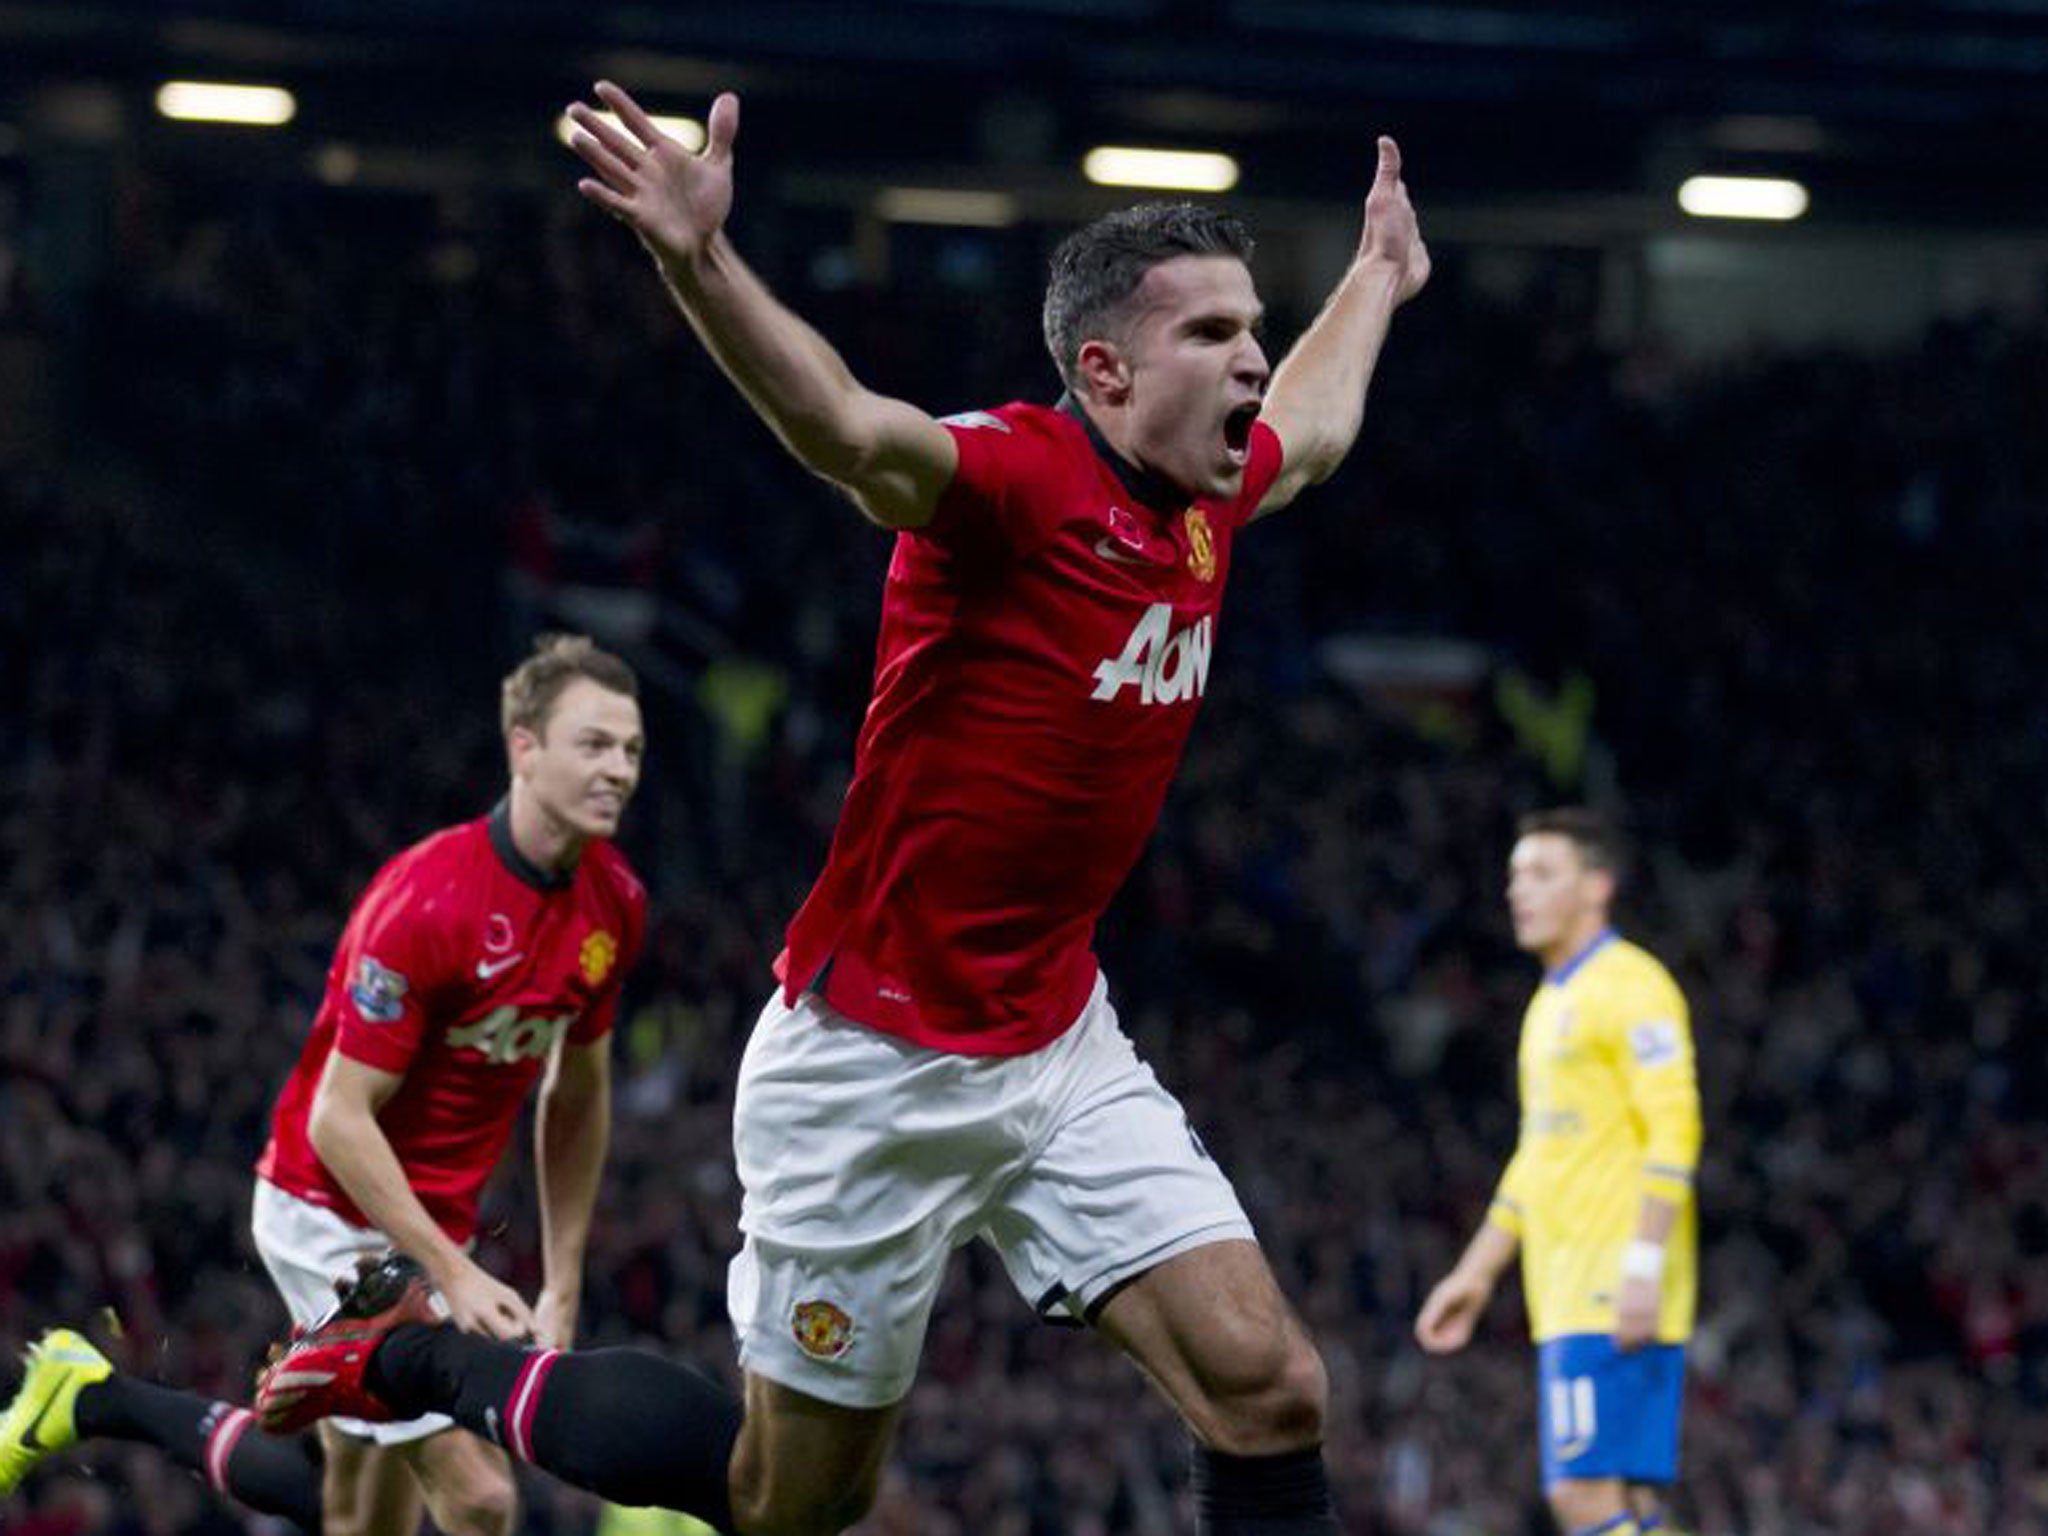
pixel 1582 1503
pixel 1267 1392
pixel 761 1509
pixel 484 1503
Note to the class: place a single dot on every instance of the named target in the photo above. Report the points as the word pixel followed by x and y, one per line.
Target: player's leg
pixel 1122 1219
pixel 308 1252
pixel 830 1298
pixel 70 1392
pixel 640 1430
pixel 804 1465
pixel 1211 1329
pixel 466 1482
pixel 1608 1419
pixel 1591 1506
pixel 850 1217
pixel 1647 1501
pixel 368 1490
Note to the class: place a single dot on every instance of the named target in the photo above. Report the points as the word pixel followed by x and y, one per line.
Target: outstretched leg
pixel 71 1392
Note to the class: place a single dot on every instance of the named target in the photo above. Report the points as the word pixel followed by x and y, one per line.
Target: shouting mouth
pixel 1237 432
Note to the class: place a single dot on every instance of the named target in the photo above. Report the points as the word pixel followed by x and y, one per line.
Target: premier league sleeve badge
pixel 378 992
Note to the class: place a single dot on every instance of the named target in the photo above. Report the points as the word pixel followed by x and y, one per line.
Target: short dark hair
pixel 531 688
pixel 1098 267
pixel 1594 836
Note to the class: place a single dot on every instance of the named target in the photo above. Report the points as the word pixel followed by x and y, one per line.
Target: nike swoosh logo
pixel 486 969
pixel 1121 554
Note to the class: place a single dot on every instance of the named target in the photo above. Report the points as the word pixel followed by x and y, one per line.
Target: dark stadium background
pixel 1737 531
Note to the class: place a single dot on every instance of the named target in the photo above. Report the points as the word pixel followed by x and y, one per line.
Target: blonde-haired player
pixel 1599 1194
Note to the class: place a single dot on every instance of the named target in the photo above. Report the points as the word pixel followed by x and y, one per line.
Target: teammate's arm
pixel 1455 1303
pixel 892 458
pixel 343 1129
pixel 1316 401
pixel 572 1129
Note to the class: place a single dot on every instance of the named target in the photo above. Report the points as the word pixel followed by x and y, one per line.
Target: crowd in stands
pixel 342 459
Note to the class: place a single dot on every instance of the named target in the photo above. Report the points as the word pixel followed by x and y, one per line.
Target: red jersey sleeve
pixel 1261 469
pixel 391 965
pixel 987 509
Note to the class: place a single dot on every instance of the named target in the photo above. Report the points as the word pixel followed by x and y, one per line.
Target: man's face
pixel 584 764
pixel 1552 890
pixel 1195 372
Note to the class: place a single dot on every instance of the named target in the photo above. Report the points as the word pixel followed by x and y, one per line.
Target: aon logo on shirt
pixel 503 1037
pixel 1165 665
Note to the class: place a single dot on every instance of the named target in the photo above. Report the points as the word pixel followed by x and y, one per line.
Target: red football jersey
pixel 1045 643
pixel 460 968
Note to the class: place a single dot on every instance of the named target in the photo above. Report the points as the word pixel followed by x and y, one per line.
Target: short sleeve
pixel 987 509
pixel 386 972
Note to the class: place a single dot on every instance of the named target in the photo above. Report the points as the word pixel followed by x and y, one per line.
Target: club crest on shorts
pixel 822 1330
pixel 596 957
pixel 1201 545
pixel 378 992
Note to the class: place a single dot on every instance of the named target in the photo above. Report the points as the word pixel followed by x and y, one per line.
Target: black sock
pixel 274 1475
pixel 1283 1495
pixel 624 1424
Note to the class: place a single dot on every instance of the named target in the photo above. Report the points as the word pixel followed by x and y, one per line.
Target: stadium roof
pixel 1933 112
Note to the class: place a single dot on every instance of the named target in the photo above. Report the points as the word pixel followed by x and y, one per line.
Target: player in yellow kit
pixel 1598 1196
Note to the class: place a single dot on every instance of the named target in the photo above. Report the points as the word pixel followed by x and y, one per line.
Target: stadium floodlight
pixel 1166 170
pixel 947 205
pixel 215 101
pixel 686 131
pixel 1742 197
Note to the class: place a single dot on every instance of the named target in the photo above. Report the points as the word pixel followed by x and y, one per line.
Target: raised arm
pixel 1317 398
pixel 893 459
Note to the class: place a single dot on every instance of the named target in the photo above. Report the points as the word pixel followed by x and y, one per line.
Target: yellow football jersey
pixel 1610 1113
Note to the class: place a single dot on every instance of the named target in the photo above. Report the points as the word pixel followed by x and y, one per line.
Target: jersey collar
pixel 523 868
pixel 1570 968
pixel 1148 486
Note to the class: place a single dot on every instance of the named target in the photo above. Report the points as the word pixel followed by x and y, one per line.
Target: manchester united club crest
pixel 1201 545
pixel 599 952
pixel 823 1331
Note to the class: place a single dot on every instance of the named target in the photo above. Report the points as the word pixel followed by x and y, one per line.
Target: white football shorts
pixel 866 1161
pixel 307 1248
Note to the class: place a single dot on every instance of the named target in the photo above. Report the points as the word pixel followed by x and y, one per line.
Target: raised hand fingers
pixel 616 204
pixel 603 145
pixel 722 126
pixel 631 113
pixel 1390 160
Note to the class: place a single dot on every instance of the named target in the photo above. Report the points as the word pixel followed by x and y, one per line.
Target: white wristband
pixel 1642 1260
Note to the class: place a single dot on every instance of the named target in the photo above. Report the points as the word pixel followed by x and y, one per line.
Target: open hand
pixel 674 200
